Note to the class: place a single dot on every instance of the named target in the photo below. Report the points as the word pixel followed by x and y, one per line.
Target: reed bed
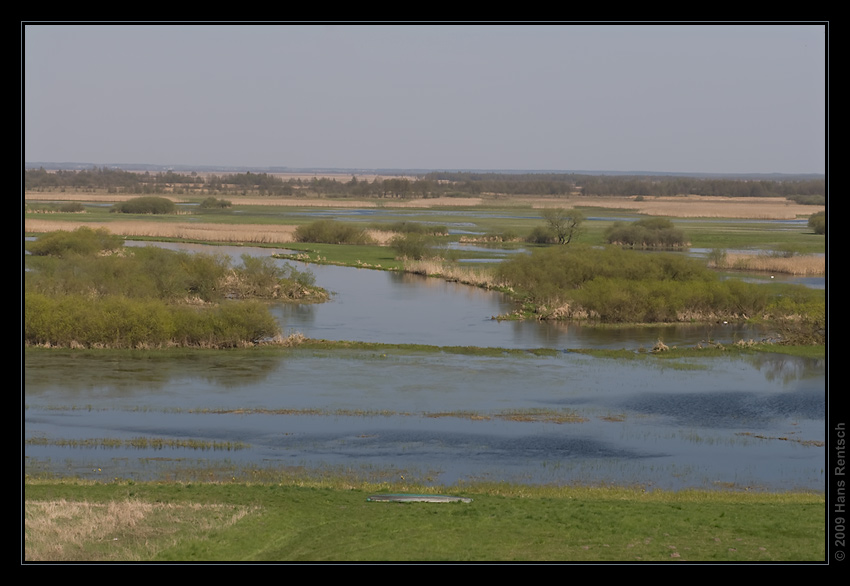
pixel 253 233
pixel 381 237
pixel 478 276
pixel 798 265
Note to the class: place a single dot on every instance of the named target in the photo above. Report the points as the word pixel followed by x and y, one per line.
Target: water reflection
pixel 637 421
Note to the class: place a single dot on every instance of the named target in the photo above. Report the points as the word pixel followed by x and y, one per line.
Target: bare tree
pixel 564 224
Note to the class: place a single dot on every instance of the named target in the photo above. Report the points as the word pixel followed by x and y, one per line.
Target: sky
pixel 678 98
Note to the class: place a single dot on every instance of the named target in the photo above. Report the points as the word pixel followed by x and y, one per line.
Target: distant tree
pixel 564 224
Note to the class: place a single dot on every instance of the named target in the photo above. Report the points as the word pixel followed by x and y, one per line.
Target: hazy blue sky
pixel 668 98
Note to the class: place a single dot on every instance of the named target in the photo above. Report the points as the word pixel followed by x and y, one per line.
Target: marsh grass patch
pixel 126 530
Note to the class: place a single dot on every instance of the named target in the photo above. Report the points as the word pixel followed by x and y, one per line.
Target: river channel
pixel 442 417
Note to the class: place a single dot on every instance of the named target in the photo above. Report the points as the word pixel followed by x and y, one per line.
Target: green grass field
pixel 314 521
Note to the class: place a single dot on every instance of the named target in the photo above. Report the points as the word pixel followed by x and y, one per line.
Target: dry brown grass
pixel 66 531
pixel 478 276
pixel 798 265
pixel 381 237
pixel 242 233
pixel 263 234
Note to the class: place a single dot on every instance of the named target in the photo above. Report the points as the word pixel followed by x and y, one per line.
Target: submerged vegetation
pixel 84 288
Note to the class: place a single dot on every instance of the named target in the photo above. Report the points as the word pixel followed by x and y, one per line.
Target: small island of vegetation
pixel 86 289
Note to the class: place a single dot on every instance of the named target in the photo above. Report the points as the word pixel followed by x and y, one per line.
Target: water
pixel 393 308
pixel 716 423
pixel 436 417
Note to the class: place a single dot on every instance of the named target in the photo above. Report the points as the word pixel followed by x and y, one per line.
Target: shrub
pixel 119 322
pixel 617 285
pixel 228 325
pixel 412 246
pixel 413 227
pixel 83 240
pixel 265 278
pixel 72 207
pixel 717 258
pixel 801 316
pixel 646 233
pixel 158 273
pixel 145 205
pixel 331 232
pixel 116 322
pixel 540 235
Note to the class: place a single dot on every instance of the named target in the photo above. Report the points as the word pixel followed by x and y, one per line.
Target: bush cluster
pixel 149 296
pixel 332 232
pixel 621 286
pixel 646 233
pixel 145 205
pixel 541 235
pixel 83 240
pixel 121 322
pixel 413 228
pixel 413 246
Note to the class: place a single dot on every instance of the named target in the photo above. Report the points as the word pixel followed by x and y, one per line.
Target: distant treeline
pixel 434 184
pixel 626 185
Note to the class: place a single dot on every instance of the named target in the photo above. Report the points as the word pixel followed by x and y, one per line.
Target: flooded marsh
pixel 747 421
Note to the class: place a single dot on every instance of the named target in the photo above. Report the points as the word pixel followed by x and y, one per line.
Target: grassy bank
pixel 302 519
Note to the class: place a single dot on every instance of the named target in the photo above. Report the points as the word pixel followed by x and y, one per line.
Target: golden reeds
pixel 797 265
pixel 252 233
pixel 478 276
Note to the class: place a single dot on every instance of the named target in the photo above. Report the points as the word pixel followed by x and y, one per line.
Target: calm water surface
pixel 383 306
pixel 437 417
